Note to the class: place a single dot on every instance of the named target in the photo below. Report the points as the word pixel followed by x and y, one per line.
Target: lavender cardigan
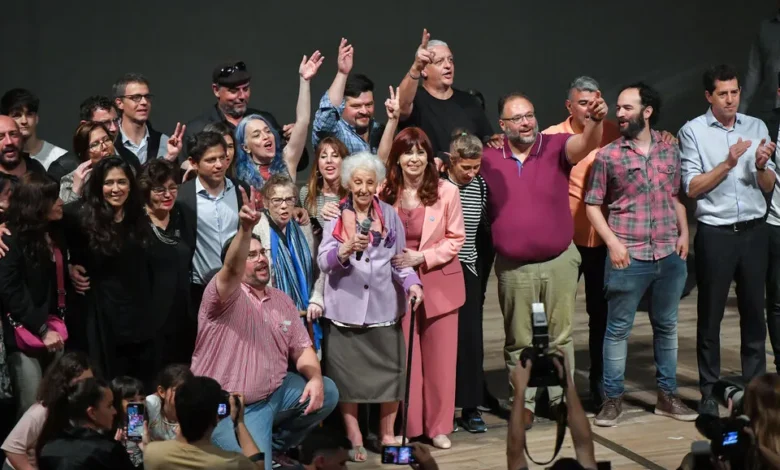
pixel 368 291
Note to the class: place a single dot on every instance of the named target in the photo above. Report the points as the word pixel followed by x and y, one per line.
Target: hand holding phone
pixel 398 455
pixel 135 421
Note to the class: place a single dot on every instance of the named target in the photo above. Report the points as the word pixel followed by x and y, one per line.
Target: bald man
pixel 12 160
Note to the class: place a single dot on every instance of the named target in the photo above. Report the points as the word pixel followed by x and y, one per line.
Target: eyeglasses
pixel 138 98
pixel 277 201
pixel 161 190
pixel 518 119
pixel 231 69
pixel 99 143
pixel 256 255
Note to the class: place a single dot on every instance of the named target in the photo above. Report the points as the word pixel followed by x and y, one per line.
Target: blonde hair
pixel 465 146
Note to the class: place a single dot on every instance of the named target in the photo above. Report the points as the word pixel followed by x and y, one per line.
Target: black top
pixel 214 114
pixel 170 258
pixel 439 118
pixel 28 288
pixel 119 298
pixel 64 165
pixel 33 165
pixel 84 449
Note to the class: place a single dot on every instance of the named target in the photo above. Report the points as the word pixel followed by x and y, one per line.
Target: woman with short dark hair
pixel 109 237
pixel 170 260
pixel 91 143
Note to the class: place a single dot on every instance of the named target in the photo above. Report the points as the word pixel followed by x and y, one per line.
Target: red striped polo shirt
pixel 244 342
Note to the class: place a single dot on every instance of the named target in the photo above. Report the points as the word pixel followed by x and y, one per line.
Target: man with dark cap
pixel 230 83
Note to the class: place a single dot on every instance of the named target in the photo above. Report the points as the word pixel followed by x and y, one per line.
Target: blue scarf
pixel 293 271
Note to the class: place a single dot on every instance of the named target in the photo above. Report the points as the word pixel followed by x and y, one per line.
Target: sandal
pixel 355 452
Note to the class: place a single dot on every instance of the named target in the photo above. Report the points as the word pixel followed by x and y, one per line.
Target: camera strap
pixel 562 420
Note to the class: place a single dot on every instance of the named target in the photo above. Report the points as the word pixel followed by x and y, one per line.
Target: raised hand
pixel 175 142
pixel 737 150
pixel 248 216
pixel 346 57
pixel 392 104
pixel 764 153
pixel 309 66
pixel 424 56
pixel 80 176
pixel 597 107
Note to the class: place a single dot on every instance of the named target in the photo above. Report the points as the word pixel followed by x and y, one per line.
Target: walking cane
pixel 408 370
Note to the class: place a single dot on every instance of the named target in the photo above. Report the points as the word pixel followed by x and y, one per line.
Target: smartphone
pixel 397 455
pixel 135 421
pixel 223 409
pixel 730 438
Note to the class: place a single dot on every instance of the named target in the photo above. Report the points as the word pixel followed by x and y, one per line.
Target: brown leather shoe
pixel 670 405
pixel 528 418
pixel 610 412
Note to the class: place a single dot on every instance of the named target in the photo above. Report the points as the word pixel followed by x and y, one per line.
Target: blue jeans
pixel 624 289
pixel 277 423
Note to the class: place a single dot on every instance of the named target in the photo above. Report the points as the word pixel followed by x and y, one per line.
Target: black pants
pixel 773 293
pixel 469 372
pixel 592 267
pixel 140 360
pixel 723 255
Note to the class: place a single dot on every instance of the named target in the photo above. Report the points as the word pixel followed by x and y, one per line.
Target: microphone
pixel 365 227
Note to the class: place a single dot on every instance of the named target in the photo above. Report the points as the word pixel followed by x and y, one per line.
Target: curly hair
pixel 28 215
pixel 156 173
pixel 60 374
pixel 97 216
pixel 316 180
pixel 405 141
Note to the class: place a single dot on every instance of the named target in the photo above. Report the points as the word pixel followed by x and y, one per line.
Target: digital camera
pixel 543 370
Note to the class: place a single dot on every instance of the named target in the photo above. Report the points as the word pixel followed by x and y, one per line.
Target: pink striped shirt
pixel 244 342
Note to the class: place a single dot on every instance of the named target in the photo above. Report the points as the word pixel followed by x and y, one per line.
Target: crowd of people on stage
pixel 139 266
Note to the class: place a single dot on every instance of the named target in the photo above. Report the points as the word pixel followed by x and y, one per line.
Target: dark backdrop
pixel 65 51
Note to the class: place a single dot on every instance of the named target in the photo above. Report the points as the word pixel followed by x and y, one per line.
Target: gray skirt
pixel 367 364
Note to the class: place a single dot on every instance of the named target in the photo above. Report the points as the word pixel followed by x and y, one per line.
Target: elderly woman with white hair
pixel 365 298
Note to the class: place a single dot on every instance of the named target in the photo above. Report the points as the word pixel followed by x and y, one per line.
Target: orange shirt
pixel 584 233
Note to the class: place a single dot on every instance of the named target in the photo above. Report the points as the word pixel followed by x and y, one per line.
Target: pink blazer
pixel 442 238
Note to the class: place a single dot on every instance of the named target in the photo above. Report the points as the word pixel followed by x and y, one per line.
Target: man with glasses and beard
pixel 12 160
pixel 638 177
pixel 728 171
pixel 528 204
pixel 93 109
pixel 230 83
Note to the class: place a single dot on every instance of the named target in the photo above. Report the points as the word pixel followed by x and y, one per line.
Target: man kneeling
pixel 248 332
pixel 197 400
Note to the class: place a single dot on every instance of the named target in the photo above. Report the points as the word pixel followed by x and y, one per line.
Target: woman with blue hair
pixel 259 149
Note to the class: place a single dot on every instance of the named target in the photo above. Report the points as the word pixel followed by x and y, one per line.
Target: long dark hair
pixel 124 388
pixel 71 409
pixel 405 141
pixel 28 215
pixel 97 216
pixel 60 374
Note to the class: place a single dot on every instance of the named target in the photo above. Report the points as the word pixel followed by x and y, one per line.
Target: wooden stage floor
pixel 642 439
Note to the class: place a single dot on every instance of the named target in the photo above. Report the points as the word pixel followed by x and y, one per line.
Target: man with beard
pixel 437 107
pixel 347 109
pixel 93 109
pixel 727 170
pixel 638 177
pixel 22 105
pixel 12 160
pixel 230 83
pixel 248 333
pixel 528 206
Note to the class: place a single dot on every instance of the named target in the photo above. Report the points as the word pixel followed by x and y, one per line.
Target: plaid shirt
pixel 328 122
pixel 640 192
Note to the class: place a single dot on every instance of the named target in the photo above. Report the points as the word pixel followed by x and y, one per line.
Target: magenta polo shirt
pixel 528 203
